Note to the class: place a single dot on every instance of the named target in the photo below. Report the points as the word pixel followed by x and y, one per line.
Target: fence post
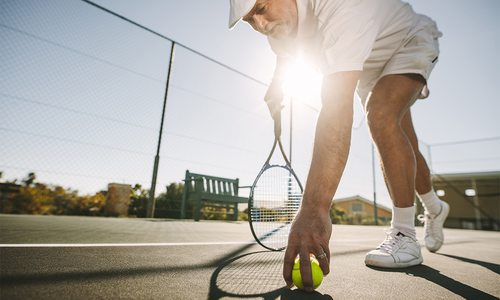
pixel 375 213
pixel 151 201
pixel 475 201
pixel 429 152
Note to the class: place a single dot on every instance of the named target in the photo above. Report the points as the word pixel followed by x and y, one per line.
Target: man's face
pixel 274 18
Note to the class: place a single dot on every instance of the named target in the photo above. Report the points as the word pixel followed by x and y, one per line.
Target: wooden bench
pixel 200 188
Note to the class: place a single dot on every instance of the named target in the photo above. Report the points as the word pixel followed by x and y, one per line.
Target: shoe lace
pixel 427 220
pixel 391 241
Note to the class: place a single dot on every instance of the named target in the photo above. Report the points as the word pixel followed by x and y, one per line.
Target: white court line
pixel 122 245
pixel 82 245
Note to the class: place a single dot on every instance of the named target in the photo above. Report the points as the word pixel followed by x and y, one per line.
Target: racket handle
pixel 277 124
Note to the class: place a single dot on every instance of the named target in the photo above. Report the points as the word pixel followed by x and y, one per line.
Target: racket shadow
pixel 250 275
pixel 254 275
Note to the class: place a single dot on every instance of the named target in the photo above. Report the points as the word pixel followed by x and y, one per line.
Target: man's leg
pixel 386 108
pixel 388 104
pixel 436 210
pixel 423 175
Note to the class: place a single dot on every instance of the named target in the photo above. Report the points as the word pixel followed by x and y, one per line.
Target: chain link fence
pixel 82 92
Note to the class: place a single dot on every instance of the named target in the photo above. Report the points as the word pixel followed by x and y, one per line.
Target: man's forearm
pixel 332 142
pixel 331 149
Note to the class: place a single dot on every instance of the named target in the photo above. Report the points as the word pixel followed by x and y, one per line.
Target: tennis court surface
pixel 48 257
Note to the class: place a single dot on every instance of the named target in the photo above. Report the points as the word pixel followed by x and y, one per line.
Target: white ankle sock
pixel 431 202
pixel 403 219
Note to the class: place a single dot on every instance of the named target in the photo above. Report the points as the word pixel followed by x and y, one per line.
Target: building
pixel 474 199
pixel 359 210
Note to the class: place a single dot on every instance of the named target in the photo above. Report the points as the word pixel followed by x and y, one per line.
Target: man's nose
pixel 258 23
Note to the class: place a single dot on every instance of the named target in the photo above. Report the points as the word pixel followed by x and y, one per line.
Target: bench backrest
pixel 200 183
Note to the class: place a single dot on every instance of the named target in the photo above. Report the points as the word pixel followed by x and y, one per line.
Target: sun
pixel 302 82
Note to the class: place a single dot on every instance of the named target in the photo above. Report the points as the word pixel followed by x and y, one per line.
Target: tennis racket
pixel 274 199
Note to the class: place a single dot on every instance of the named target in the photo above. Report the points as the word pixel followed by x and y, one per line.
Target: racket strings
pixel 276 199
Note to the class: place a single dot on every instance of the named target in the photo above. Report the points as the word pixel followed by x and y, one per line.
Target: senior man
pixel 383 51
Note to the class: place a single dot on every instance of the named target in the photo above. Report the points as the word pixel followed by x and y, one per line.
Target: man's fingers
pixel 323 257
pixel 305 270
pixel 290 255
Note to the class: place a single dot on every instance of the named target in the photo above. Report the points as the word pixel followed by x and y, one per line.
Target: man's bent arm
pixel 311 229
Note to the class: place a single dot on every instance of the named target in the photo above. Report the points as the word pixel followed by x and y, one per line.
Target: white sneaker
pixel 433 227
pixel 396 251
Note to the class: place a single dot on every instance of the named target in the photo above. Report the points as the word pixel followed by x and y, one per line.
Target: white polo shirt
pixel 349 35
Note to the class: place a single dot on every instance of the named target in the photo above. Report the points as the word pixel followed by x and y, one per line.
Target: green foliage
pixel 337 216
pixel 168 204
pixel 90 205
pixel 214 212
pixel 364 220
pixel 42 199
pixel 243 215
pixel 39 198
pixel 138 201
pixel 30 179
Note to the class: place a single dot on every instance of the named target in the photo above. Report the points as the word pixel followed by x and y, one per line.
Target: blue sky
pixel 81 95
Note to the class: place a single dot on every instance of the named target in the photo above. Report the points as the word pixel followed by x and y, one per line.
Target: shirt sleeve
pixel 348 38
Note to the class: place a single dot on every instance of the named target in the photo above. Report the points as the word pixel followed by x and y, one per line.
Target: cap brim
pixel 238 11
pixel 233 23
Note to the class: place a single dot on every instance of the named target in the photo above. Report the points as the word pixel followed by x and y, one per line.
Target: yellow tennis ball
pixel 317 273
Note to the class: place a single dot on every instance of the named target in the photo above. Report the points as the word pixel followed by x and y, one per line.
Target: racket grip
pixel 277 124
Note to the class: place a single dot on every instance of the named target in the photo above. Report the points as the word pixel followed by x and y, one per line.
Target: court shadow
pixel 300 295
pixel 55 278
pixel 254 275
pixel 434 276
pixel 61 274
pixel 491 266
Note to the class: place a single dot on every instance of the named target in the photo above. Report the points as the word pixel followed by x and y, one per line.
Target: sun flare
pixel 302 82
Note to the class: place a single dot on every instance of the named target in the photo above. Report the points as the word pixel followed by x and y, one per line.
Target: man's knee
pixel 389 101
pixel 381 117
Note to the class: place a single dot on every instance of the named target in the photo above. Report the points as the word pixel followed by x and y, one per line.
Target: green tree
pixel 39 198
pixel 89 205
pixel 138 201
pixel 30 179
pixel 21 203
pixel 168 204
pixel 336 215
pixel 33 199
pixel 64 202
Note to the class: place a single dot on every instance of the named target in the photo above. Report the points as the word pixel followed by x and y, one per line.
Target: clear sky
pixel 81 94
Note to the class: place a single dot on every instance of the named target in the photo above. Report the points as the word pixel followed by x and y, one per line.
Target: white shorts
pixel 417 54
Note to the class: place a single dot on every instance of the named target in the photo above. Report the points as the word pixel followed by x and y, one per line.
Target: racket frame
pixel 267 166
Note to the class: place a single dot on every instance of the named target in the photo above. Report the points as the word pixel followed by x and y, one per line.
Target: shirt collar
pixel 304 14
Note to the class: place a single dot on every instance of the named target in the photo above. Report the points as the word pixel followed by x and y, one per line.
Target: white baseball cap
pixel 238 9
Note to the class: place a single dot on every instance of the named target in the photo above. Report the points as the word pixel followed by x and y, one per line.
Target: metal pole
pixel 291 199
pixel 475 199
pixel 430 158
pixel 151 203
pixel 375 215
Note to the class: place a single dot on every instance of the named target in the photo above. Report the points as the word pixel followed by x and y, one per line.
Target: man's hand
pixel 310 234
pixel 274 107
pixel 274 97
